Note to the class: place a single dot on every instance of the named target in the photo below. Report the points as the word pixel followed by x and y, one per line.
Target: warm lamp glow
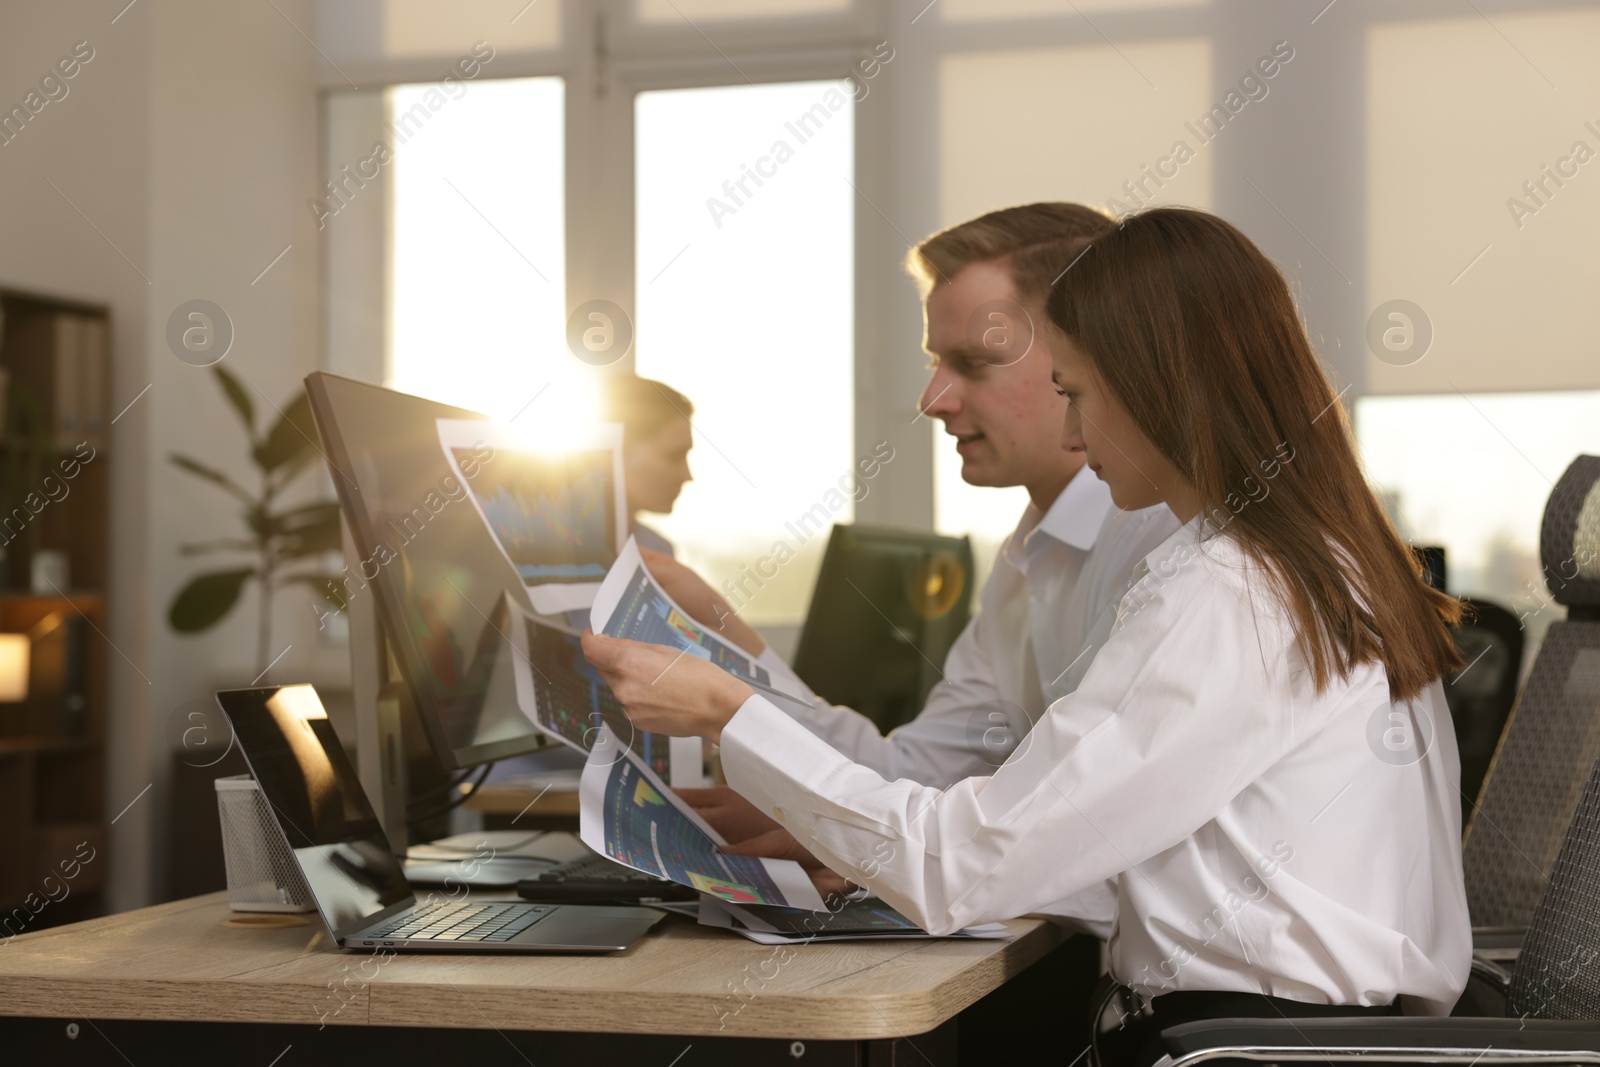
pixel 14 667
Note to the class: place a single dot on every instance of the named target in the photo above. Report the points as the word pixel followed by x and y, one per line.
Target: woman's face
pixel 1118 452
pixel 656 467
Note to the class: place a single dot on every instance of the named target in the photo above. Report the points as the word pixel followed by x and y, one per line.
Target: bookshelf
pixel 54 497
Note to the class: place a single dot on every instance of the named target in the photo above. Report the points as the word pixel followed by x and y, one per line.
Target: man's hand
pixel 666 691
pixel 704 604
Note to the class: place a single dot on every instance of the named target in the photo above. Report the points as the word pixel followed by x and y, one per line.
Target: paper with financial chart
pixel 631 605
pixel 628 815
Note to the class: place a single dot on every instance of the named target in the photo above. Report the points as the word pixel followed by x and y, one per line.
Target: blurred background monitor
pixel 887 606
pixel 1435 570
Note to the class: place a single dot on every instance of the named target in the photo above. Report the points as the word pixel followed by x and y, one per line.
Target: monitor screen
pixel 306 777
pixel 437 574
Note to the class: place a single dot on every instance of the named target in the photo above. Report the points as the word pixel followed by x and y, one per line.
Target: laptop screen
pixel 317 799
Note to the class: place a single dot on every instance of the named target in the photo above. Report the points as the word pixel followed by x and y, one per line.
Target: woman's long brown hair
pixel 1193 329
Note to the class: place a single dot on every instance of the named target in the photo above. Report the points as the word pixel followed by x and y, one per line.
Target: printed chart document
pixel 631 605
pixel 566 698
pixel 627 814
pixel 558 516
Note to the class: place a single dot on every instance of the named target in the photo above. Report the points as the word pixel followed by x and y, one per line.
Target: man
pixel 1051 598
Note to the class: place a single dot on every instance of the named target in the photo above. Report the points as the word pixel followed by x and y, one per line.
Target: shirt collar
pixel 1079 511
pixel 1190 533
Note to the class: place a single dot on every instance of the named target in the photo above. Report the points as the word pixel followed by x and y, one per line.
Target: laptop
pixel 328 824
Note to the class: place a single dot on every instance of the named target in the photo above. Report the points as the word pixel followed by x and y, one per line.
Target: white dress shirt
pixel 1262 836
pixel 1047 605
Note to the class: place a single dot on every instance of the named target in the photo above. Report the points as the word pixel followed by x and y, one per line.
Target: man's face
pixel 991 382
pixel 656 467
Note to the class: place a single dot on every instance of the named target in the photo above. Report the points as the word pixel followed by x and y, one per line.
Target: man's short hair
pixel 1037 241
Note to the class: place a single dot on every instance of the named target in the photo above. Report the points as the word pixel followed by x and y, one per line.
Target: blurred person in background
pixel 656 440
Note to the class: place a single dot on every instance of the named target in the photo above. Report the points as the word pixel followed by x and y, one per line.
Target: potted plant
pixel 284 545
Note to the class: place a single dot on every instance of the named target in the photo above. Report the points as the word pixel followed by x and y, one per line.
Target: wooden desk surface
pixel 175 962
pixel 516 800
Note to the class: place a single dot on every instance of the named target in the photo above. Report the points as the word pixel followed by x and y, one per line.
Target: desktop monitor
pixel 887 606
pixel 441 582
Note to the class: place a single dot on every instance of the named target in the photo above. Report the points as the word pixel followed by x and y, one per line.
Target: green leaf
pixel 202 603
pixel 289 437
pixel 318 514
pixel 286 472
pixel 239 398
pixel 309 531
pixel 257 522
pixel 212 475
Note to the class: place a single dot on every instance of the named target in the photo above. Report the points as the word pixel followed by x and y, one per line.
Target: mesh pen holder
pixel 262 874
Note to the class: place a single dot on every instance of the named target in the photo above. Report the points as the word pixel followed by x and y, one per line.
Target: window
pixel 745 281
pixel 477 300
pixel 1473 473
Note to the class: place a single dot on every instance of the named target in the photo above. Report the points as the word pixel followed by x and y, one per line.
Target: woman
pixel 1260 755
pixel 656 440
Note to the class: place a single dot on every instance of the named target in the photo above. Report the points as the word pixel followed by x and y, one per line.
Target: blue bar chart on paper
pixel 643 613
pixel 630 816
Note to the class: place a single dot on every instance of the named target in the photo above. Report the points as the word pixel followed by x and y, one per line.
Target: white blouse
pixel 1263 837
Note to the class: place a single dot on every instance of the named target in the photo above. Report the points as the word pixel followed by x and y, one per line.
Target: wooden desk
pixel 522 803
pixel 175 966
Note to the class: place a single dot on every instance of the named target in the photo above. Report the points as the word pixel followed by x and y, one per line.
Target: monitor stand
pixel 380 741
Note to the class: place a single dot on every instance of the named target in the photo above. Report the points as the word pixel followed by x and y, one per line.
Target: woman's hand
pixel 780 844
pixel 704 604
pixel 665 691
pixel 728 812
pixel 754 833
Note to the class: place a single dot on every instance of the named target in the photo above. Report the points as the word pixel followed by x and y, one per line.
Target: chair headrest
pixel 1569 539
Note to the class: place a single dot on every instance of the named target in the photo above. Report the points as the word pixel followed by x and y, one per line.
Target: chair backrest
pixel 1569 540
pixel 1553 737
pixel 1480 696
pixel 1557 976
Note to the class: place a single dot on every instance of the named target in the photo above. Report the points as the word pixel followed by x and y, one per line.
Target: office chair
pixel 1552 1014
pixel 1553 736
pixel 1480 696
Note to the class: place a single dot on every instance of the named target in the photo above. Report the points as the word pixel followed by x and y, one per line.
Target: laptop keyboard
pixel 595 868
pixel 465 922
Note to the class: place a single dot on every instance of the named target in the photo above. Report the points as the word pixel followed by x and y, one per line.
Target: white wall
pixel 93 145
pixel 190 141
